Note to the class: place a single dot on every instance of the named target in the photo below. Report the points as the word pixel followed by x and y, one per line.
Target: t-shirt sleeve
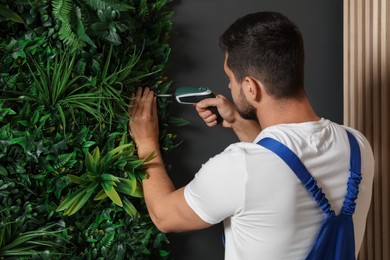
pixel 217 191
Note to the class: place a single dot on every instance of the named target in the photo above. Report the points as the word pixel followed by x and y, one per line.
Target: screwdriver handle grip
pixel 214 110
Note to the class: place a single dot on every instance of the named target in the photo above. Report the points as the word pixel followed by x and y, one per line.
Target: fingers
pixel 208 102
pixel 146 102
pixel 202 108
pixel 141 102
pixel 208 117
pixel 133 103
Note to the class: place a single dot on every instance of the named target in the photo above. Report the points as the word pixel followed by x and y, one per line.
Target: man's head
pixel 268 47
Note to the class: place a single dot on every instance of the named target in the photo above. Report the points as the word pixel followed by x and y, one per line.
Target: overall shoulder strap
pixel 290 158
pixel 354 178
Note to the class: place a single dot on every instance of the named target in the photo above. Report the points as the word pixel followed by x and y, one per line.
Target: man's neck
pixel 289 111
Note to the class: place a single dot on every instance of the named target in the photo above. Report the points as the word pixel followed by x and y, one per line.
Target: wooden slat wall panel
pixel 367 106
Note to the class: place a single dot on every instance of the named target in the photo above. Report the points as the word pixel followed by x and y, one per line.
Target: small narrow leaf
pixel 109 177
pixel 76 179
pixel 90 163
pixel 80 201
pixel 101 195
pixel 129 208
pixel 96 154
pixel 118 149
pixel 69 200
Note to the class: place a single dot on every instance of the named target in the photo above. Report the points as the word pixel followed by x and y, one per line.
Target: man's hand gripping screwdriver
pixel 191 95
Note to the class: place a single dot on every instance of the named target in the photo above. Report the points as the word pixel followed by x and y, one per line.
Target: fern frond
pixel 63 9
pixel 113 38
pixel 144 10
pixel 160 4
pixel 164 87
pixel 63 159
pixel 82 225
pixel 107 240
pixel 10 81
pixel 4 112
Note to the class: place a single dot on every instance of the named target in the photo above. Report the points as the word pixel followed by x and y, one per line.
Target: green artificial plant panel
pixel 69 171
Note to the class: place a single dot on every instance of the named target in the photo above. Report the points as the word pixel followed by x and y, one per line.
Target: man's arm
pixel 167 207
pixel 246 130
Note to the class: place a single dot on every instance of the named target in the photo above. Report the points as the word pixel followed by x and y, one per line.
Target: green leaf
pixel 101 195
pixel 176 121
pixel 126 186
pixel 9 14
pixel 90 163
pixel 3 171
pixel 109 177
pixel 69 200
pixel 118 149
pixel 138 193
pixel 96 154
pixel 79 202
pixel 129 208
pixel 108 187
pixel 76 179
pixel 105 4
pixel 81 32
pixel 163 253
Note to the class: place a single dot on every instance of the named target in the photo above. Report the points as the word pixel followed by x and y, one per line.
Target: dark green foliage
pixel 70 179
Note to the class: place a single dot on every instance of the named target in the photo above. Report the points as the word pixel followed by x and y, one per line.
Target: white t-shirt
pixel 267 212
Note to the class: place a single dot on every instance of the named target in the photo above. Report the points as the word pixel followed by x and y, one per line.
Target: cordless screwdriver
pixel 192 95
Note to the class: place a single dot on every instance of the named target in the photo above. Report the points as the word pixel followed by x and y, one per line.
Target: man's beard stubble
pixel 246 110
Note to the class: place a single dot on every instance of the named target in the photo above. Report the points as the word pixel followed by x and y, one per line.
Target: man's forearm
pixel 157 186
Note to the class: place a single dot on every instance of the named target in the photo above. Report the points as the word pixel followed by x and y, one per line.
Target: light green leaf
pixel 123 139
pixel 90 163
pixel 76 179
pixel 101 195
pixel 118 149
pixel 81 200
pixel 129 208
pixel 109 177
pixel 126 186
pixel 108 187
pixel 96 154
pixel 69 200
pixel 138 192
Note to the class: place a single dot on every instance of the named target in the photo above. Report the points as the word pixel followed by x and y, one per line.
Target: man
pixel 267 212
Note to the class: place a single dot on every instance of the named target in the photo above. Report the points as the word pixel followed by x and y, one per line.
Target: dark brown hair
pixel 268 47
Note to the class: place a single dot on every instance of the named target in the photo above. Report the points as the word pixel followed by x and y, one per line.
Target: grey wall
pixel 197 60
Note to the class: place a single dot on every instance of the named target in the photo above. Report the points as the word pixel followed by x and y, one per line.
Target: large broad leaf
pixel 130 187
pixel 9 14
pixel 108 187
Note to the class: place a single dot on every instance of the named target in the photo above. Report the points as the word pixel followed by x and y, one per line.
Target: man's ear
pixel 252 89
